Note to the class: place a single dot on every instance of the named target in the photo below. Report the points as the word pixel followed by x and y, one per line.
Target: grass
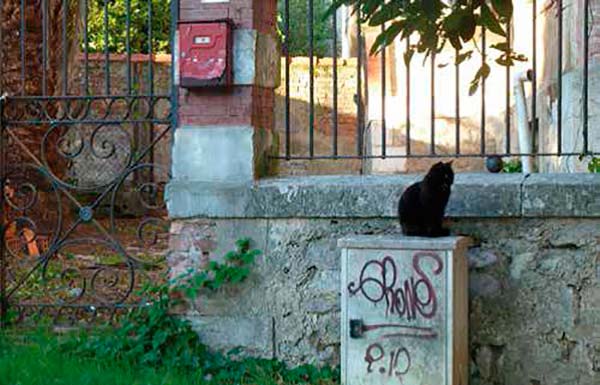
pixel 38 359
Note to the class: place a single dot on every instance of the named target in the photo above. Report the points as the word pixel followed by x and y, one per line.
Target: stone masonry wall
pixel 534 269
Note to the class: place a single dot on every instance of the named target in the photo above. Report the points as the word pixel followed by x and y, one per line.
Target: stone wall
pixel 534 269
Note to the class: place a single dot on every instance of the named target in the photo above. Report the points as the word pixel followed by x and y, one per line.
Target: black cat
pixel 421 208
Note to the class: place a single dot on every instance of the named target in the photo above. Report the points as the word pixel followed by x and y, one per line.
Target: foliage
pixel 37 359
pixel 437 23
pixel 40 358
pixel 117 26
pixel 298 28
pixel 151 335
pixel 594 165
pixel 153 346
pixel 234 270
pixel 513 166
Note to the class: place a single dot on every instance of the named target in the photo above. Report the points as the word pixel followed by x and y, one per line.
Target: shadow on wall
pixel 396 140
pixel 347 128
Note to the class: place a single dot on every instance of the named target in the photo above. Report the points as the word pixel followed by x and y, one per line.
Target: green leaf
pixel 504 46
pixel 489 20
pixel 482 73
pixel 504 8
pixel 505 61
pixel 468 27
pixel 387 12
pixel 387 37
pixel 243 244
pixel 463 56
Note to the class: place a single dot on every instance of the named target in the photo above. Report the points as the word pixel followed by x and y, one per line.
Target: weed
pixel 153 346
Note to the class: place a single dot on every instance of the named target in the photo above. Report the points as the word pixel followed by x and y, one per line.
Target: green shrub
pixel 299 39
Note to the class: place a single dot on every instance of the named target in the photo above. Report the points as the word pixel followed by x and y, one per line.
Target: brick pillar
pixel 224 136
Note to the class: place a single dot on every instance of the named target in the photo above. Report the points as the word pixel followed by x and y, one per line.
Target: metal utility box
pixel 404 310
pixel 205 54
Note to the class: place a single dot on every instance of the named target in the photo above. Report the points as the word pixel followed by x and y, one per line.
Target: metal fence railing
pixel 554 134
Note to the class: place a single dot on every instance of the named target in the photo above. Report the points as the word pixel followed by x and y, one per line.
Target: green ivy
pixel 512 166
pixel 151 335
pixel 594 165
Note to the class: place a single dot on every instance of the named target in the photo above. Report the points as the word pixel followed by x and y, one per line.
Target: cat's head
pixel 441 174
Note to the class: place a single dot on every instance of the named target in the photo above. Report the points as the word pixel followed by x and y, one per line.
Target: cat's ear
pixel 449 163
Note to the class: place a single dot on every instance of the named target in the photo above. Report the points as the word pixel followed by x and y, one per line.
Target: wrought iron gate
pixel 86 119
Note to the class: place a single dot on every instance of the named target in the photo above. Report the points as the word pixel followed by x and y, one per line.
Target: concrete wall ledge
pixel 473 195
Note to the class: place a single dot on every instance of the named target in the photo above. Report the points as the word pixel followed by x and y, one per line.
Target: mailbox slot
pixel 205 54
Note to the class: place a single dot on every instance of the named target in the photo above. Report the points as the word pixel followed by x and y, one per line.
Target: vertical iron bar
pixel 383 97
pixel 44 47
pixel 432 90
pixel 128 43
pixel 483 62
pixel 311 70
pixel 22 44
pixel 86 48
pixel 174 60
pixel 407 81
pixel 534 75
pixel 359 108
pixel 507 91
pixel 559 78
pixel 586 41
pixel 287 81
pixel 106 51
pixel 65 49
pixel 151 80
pixel 3 299
pixel 334 114
pixel 150 50
pixel 457 103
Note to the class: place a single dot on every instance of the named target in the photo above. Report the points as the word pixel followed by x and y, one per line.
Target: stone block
pixel 404 310
pixel 214 154
pixel 213 200
pixel 473 195
pixel 561 195
pixel 486 195
pixel 256 59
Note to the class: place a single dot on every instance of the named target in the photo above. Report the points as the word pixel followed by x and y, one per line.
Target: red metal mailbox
pixel 205 58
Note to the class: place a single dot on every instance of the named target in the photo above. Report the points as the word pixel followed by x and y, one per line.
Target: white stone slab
pixel 404 311
pixel 216 154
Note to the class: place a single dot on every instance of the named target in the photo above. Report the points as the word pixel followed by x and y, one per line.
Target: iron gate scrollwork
pixel 84 157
